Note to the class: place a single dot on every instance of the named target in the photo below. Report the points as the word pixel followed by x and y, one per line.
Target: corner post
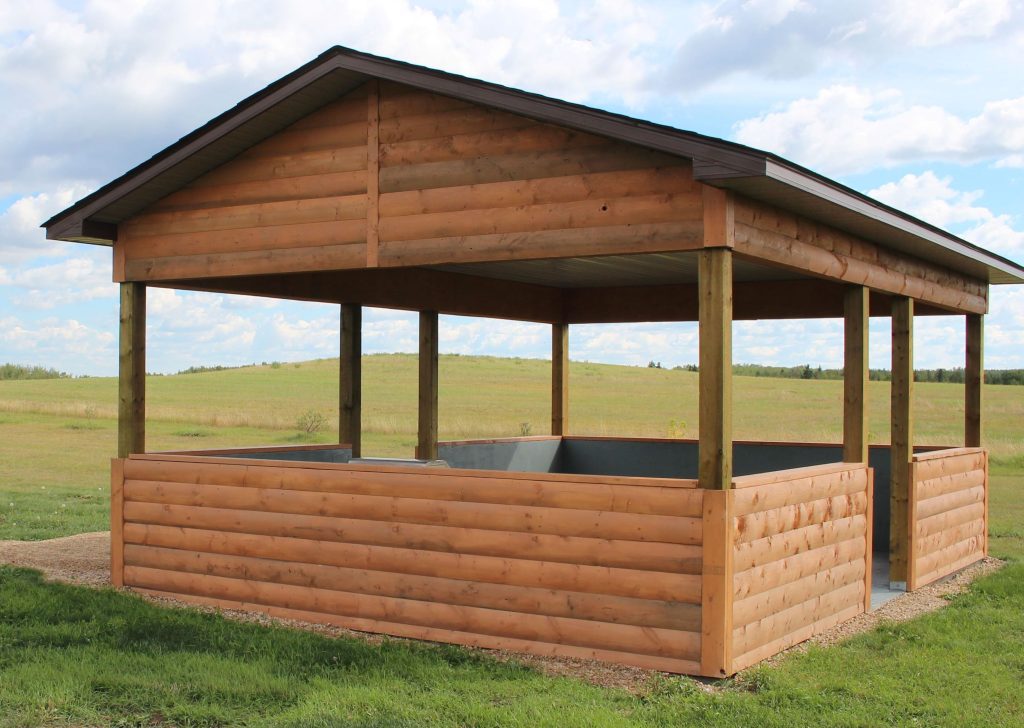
pixel 426 449
pixel 715 370
pixel 559 379
pixel 350 384
pixel 855 375
pixel 974 378
pixel 902 440
pixel 131 405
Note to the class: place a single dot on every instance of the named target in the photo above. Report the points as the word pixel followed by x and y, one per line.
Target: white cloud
pixel 62 341
pixel 785 39
pixel 934 200
pixel 71 281
pixel 849 129
pixel 20 236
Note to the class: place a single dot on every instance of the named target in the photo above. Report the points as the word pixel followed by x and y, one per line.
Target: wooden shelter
pixel 362 181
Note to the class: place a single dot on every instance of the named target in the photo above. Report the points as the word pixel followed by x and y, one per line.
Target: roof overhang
pixel 717 162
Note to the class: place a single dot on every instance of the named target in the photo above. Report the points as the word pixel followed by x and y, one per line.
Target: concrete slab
pixel 880 591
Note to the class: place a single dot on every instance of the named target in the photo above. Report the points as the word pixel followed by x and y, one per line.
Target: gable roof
pixel 752 172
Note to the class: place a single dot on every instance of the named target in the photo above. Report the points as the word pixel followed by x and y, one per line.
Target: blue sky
pixel 918 103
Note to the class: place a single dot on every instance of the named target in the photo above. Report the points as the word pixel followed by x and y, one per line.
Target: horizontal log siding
pixel 801 559
pixel 948 513
pixel 789 240
pixel 571 566
pixel 295 202
pixel 460 183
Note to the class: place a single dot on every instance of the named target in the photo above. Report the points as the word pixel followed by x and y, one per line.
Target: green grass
pixel 75 656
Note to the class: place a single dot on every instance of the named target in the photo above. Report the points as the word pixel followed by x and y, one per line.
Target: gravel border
pixel 84 559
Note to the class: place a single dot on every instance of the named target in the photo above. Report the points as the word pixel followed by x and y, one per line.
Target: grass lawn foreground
pixel 77 656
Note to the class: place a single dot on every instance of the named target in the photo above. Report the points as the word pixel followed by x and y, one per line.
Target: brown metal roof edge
pixel 715 160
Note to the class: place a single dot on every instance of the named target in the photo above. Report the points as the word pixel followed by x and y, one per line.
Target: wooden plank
pixel 166 225
pixel 646 555
pixel 715 400
pixel 336 184
pixel 312 138
pixel 426 448
pixel 491 516
pixel 521 165
pixel 816 476
pixel 719 217
pixel 953 454
pixel 849 598
pixel 942 464
pixel 646 662
pixel 974 379
pixel 281 166
pixel 545 190
pixel 986 505
pixel 937 541
pixel 949 519
pixel 301 235
pixel 780 520
pixel 350 374
pixel 372 173
pixel 772 601
pixel 869 544
pixel 902 436
pixel 205 466
pixel 587 213
pixel 349 109
pixel 527 600
pixel 830 483
pixel 716 643
pixel 583 633
pixel 559 379
pixel 399 101
pixel 131 407
pixel 251 262
pixel 784 545
pixel 453 147
pixel 117 522
pixel 541 244
pixel 952 558
pixel 752 581
pixel 802 634
pixel 765 232
pixel 463 486
pixel 910 552
pixel 855 374
pixel 679 588
pixel 950 501
pixel 410 127
pixel 946 484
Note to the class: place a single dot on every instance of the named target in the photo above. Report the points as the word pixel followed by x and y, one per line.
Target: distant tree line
pixel 18 371
pixel 806 371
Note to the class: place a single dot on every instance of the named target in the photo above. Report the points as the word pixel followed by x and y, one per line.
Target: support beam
pixel 855 375
pixel 715 296
pixel 131 405
pixel 426 449
pixel 350 384
pixel 559 379
pixel 902 448
pixel 974 378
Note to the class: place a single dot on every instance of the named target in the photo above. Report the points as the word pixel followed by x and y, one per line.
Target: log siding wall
pixel 801 556
pixel 948 513
pixel 582 566
pixel 451 182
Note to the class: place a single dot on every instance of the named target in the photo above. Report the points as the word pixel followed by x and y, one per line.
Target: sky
pixel 918 103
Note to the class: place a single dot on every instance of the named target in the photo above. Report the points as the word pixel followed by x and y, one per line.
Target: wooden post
pixel 902 439
pixel 351 378
pixel 715 370
pixel 855 375
pixel 974 378
pixel 131 406
pixel 117 522
pixel 717 584
pixel 559 379
pixel 426 449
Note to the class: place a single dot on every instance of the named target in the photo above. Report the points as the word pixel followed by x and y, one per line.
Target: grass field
pixel 74 656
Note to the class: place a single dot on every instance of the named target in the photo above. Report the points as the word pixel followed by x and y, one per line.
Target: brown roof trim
pixel 716 161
